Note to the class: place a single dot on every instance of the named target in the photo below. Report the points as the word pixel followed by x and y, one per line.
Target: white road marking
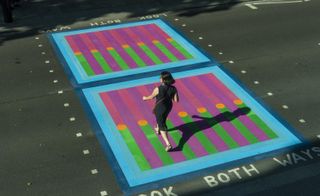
pixel 221 53
pixel 176 19
pixel 251 6
pixel 36 38
pixel 318 136
pixel 183 25
pixel 40 45
pixel 276 2
pixel 72 119
pixel 270 93
pixel 60 92
pixel 51 70
pixel 79 134
pixel 103 193
pixel 256 82
pixel 243 71
pixel 200 37
pixel 55 81
pixel 302 120
pixel 209 45
pixel 66 105
pixel 285 107
pixel 47 61
pixel 231 62
pixel 43 53
pixel 85 152
pixel 191 31
pixel 94 171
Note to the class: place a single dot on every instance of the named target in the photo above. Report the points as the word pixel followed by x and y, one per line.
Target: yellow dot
pixel 183 114
pixel 155 41
pixel 78 53
pixel 140 44
pixel 125 46
pixel 109 48
pixel 220 106
pixel 142 122
pixel 170 39
pixel 121 127
pixel 238 102
pixel 94 50
pixel 202 110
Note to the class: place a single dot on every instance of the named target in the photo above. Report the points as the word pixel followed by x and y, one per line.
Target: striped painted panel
pixel 118 49
pixel 209 119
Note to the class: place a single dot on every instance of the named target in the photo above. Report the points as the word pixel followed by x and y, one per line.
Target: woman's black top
pixel 163 108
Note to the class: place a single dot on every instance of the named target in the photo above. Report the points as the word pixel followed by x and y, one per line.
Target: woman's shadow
pixel 189 129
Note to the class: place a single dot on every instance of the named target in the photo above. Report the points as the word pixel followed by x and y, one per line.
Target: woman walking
pixel 164 94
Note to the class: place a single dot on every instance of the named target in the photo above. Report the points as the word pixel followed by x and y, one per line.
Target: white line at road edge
pixel 251 6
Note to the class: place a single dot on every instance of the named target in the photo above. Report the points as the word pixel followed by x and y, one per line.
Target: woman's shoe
pixel 157 130
pixel 168 148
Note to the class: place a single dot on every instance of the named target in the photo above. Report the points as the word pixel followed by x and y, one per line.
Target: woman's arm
pixel 153 94
pixel 176 97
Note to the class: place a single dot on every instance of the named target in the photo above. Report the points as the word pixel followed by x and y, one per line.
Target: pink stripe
pixel 135 130
pixel 72 44
pixel 196 86
pixel 160 31
pixel 87 41
pixel 195 103
pixel 111 108
pixel 254 129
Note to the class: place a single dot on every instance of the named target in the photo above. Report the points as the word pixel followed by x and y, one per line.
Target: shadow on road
pixel 34 15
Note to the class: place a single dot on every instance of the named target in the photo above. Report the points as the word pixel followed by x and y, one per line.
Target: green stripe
pixel 85 65
pixel 157 145
pixel 106 68
pixel 123 65
pixel 223 134
pixel 262 125
pixel 238 124
pixel 166 52
pixel 135 57
pixel 181 49
pixel 135 150
pixel 176 136
pixel 206 143
pixel 149 52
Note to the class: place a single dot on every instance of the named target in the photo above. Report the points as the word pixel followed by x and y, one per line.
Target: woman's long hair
pixel 167 78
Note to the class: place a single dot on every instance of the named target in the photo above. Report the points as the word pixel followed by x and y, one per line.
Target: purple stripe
pixel 136 97
pixel 107 57
pixel 135 47
pixel 149 43
pixel 229 103
pixel 187 103
pixel 136 132
pixel 210 106
pixel 87 54
pixel 193 142
pixel 164 41
pixel 130 62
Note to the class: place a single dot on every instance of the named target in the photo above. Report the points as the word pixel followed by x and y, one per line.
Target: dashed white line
pixel 318 136
pixel 210 45
pixel 243 71
pixel 285 107
pixel 183 25
pixel 270 93
pixel 47 61
pixel 251 6
pixel 103 193
pixel 200 37
pixel 43 53
pixel 302 120
pixel 40 45
pixel 60 92
pixel 256 82
pixel 94 171
pixel 85 152
pixel 176 19
pixel 66 104
pixel 55 81
pixel 72 119
pixel 79 134
pixel 191 31
pixel 231 62
pixel 221 53
pixel 51 70
pixel 36 38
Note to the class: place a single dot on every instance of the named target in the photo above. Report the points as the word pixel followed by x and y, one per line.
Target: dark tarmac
pixel 48 146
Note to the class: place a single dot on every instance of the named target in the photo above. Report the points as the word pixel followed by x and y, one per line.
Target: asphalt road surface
pixel 48 145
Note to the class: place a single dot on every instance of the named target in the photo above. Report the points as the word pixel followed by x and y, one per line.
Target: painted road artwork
pixel 216 121
pixel 120 50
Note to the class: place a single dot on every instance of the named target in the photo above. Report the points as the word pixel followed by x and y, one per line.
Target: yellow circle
pixel 238 102
pixel 121 127
pixel 220 106
pixel 142 122
pixel 202 110
pixel 183 114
